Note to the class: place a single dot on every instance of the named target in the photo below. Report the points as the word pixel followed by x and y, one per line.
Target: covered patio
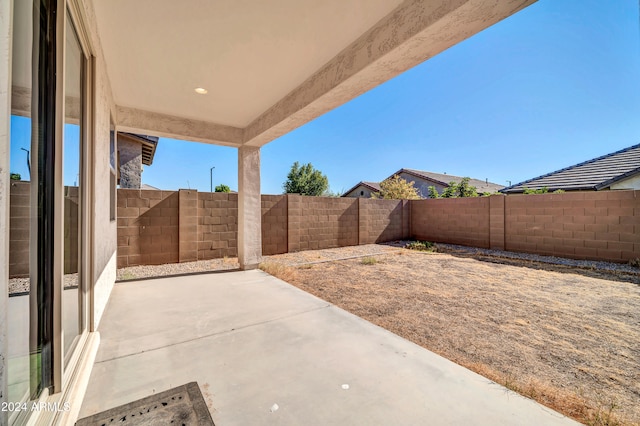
pixel 252 341
pixel 237 74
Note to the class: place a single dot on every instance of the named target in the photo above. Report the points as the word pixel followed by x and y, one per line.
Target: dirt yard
pixel 568 338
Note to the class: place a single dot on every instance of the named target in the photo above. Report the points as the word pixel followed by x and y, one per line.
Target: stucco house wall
pixel 632 182
pixel 422 184
pixel 130 154
pixel 104 238
pixel 360 191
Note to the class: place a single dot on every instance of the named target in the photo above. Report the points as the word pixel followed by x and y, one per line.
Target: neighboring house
pixel 618 170
pixel 422 181
pixel 363 190
pixel 134 151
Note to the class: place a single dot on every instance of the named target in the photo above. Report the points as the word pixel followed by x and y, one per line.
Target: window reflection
pixel 20 310
pixel 72 181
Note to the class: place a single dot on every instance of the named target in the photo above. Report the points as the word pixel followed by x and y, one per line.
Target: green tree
pixel 305 180
pixel 222 188
pixel 460 190
pixel 543 190
pixel 396 188
pixel 15 176
pixel 433 192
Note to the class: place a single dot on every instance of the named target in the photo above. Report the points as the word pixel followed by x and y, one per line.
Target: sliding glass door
pixel 47 309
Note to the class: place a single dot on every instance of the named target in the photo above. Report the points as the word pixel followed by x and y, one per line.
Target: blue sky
pixel 556 84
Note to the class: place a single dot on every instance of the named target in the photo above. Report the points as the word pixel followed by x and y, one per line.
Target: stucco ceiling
pixel 268 66
pixel 248 54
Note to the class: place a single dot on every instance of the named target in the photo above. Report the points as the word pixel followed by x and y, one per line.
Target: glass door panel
pixel 20 312
pixel 72 181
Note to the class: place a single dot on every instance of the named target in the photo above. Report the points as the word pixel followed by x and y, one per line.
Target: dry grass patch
pixel 285 273
pixel 570 342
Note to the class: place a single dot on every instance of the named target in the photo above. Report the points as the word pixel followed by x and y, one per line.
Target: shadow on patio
pixel 252 341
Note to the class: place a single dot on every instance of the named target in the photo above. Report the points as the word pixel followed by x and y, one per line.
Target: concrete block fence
pixel 156 227
pixel 580 225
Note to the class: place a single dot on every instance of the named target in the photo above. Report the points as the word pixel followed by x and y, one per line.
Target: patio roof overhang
pixel 268 67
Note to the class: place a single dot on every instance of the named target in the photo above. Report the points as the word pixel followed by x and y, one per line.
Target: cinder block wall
pixel 217 225
pixel 583 225
pixel 148 224
pixel 163 227
pixel 383 220
pixel 463 221
pixel 274 224
pixel 19 223
pixel 321 222
pixel 156 227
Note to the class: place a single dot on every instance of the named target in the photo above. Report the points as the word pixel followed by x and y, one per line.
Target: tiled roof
pixel 596 174
pixel 374 186
pixel 444 179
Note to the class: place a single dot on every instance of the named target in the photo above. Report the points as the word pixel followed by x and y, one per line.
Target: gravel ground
pixel 149 271
pixel 586 264
pixel 22 285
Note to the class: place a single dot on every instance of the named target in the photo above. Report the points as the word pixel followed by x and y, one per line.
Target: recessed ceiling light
pixel 201 91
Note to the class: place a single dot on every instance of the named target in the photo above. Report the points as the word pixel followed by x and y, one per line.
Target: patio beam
pixel 138 121
pixel 414 32
pixel 249 208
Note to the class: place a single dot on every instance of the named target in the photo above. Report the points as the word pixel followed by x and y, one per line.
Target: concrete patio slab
pixel 265 352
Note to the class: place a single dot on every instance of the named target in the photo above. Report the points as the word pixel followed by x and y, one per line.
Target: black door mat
pixel 180 406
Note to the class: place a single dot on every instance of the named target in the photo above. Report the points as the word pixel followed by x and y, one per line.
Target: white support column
pixel 5 104
pixel 249 208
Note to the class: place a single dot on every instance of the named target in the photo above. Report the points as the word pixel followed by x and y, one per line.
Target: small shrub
pixel 368 261
pixel 421 246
